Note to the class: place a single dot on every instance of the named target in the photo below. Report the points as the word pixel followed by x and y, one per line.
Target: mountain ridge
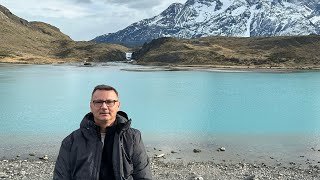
pixel 239 18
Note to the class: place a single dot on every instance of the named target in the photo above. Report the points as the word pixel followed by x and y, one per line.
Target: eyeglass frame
pixel 94 102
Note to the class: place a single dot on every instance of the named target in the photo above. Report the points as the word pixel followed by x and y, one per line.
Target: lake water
pixel 41 104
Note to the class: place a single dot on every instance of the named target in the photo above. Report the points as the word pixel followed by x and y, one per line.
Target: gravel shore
pixel 174 170
pixel 187 160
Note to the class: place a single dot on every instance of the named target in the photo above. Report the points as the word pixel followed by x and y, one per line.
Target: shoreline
pixel 222 68
pixel 187 152
pixel 181 67
pixel 184 153
pixel 270 149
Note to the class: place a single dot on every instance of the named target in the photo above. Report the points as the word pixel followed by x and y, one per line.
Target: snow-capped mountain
pixel 243 18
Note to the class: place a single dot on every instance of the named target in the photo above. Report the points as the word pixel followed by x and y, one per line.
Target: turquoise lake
pixel 41 103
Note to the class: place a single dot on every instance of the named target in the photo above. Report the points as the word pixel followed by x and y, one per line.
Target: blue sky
pixel 86 19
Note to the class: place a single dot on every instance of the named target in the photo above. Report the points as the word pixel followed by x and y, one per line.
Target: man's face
pixel 104 112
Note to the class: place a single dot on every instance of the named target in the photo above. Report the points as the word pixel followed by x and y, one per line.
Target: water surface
pixel 40 104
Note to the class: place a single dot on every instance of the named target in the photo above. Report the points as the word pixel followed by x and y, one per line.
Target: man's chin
pixel 104 119
pixel 104 116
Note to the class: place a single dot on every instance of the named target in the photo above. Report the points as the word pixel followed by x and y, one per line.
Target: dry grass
pixel 32 59
pixel 287 52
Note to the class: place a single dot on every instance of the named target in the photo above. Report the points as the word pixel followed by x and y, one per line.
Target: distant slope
pixel 18 35
pixel 285 52
pixel 38 42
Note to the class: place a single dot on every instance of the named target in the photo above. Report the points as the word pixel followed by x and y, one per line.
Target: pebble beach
pixel 43 169
pixel 176 165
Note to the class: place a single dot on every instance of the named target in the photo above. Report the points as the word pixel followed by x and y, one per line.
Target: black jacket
pixel 80 153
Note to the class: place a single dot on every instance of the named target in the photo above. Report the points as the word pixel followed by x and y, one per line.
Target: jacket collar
pixel 122 122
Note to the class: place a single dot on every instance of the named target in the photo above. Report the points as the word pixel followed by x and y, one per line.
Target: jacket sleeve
pixel 62 168
pixel 141 163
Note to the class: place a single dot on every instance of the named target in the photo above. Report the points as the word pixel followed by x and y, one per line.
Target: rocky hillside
pixel 37 42
pixel 283 52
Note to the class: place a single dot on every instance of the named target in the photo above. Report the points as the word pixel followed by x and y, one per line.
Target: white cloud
pixel 56 9
pixel 86 19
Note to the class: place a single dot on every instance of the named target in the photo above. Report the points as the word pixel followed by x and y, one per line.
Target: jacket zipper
pixel 120 154
pixel 98 158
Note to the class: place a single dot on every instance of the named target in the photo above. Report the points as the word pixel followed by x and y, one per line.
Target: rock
pixel 249 177
pixel 196 150
pixel 32 154
pixel 198 178
pixel 22 173
pixel 45 157
pixel 292 163
pixel 173 151
pixel 159 156
pixel 87 64
pixel 194 176
pixel 221 149
pixel 3 175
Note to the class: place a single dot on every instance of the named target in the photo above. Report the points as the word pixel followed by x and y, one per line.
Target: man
pixel 105 147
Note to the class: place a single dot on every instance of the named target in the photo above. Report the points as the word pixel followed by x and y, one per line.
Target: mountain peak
pixel 172 10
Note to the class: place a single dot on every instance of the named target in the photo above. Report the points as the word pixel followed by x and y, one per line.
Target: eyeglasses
pixel 99 103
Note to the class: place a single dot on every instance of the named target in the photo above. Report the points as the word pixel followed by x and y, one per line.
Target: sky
pixel 83 20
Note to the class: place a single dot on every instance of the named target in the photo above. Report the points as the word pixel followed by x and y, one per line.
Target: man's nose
pixel 104 105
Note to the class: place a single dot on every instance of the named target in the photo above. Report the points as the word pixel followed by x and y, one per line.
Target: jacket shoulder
pixel 134 132
pixel 72 137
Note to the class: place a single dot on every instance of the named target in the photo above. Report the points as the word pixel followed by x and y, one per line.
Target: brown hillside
pixel 37 42
pixel 286 52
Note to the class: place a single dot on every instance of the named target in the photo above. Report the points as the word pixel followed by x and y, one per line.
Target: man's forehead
pixel 104 92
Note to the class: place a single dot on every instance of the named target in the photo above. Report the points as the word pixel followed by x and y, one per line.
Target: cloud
pixel 57 8
pixel 83 1
pixel 144 4
pixel 137 4
pixel 86 19
pixel 69 12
